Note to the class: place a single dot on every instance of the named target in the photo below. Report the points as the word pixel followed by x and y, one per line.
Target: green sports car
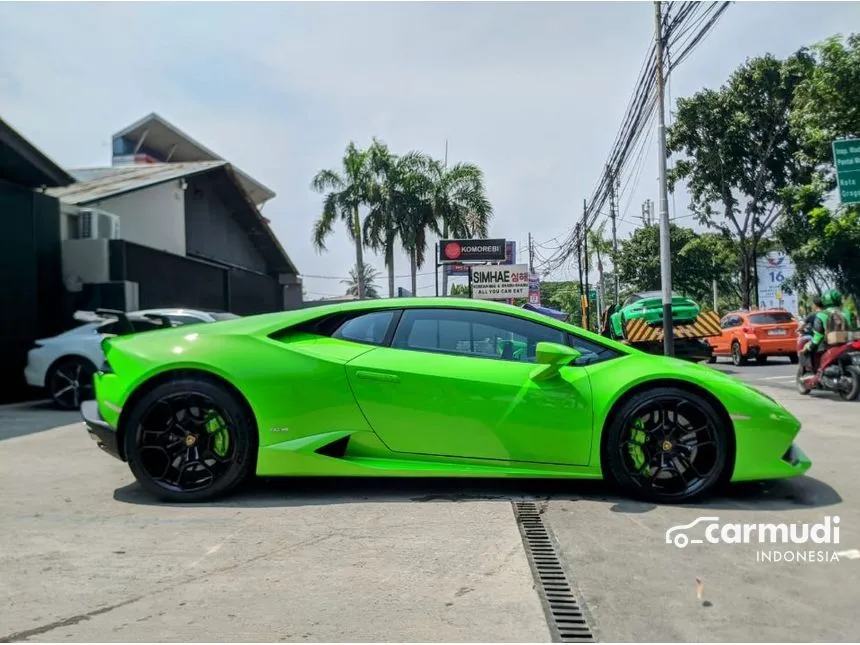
pixel 648 305
pixel 426 387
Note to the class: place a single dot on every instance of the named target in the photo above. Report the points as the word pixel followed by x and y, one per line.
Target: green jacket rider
pixel 832 300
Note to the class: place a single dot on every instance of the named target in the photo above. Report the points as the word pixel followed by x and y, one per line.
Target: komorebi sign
pixel 499 282
pixel 471 251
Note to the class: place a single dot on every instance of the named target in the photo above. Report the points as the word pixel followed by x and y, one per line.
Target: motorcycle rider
pixel 815 327
pixel 835 298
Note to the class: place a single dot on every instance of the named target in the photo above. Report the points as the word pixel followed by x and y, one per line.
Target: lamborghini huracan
pixel 426 387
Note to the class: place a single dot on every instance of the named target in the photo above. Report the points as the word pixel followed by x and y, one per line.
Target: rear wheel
pixel 852 392
pixel 190 440
pixel 738 358
pixel 667 445
pixel 70 382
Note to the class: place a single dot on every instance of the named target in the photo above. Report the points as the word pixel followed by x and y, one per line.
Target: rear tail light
pixel 856 344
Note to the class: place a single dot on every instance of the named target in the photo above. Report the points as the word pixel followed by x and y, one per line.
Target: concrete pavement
pixel 85 555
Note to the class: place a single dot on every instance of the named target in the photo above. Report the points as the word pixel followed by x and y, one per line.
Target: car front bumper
pixel 99 429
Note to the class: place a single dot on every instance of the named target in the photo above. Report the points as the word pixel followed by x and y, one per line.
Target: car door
pixel 456 382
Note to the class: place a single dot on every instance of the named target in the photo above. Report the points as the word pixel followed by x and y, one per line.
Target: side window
pixel 369 328
pixel 473 333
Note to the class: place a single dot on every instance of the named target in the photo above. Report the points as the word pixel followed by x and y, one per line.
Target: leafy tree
pixel 460 290
pixel 824 242
pixel 740 153
pixel 348 190
pixel 366 276
pixel 697 260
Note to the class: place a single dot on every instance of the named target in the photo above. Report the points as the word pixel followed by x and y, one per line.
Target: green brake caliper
pixel 637 440
pixel 216 426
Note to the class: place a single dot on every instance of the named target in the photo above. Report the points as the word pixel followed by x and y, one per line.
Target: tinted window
pixel 115 328
pixel 223 315
pixel 369 328
pixel 771 318
pixel 473 333
pixel 183 319
pixel 631 300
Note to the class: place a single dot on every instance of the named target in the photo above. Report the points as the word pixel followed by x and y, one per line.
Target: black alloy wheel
pixel 70 382
pixel 668 445
pixel 190 440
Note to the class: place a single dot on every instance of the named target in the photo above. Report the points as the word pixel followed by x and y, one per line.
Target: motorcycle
pixel 838 370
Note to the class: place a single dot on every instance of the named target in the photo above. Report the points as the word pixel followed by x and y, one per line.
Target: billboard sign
pixel 534 290
pixel 499 282
pixel 472 251
pixel 774 269
pixel 458 268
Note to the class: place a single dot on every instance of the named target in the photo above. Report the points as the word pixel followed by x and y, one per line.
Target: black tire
pixel 716 449
pixel 232 469
pixel 738 358
pixel 70 382
pixel 854 392
pixel 794 359
pixel 712 359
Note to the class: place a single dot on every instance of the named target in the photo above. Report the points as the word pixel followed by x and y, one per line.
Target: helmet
pixel 832 298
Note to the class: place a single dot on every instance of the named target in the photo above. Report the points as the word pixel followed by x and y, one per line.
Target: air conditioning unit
pixel 96 224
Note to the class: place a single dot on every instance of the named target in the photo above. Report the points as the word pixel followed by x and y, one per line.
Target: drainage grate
pixel 565 615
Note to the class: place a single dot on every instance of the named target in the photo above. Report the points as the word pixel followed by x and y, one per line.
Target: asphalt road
pixel 85 555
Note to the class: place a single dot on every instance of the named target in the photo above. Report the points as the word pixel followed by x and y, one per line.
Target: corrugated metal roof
pixel 95 184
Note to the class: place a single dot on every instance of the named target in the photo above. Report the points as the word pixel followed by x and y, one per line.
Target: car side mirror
pixel 551 357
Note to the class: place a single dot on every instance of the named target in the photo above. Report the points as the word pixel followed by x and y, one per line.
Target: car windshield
pixel 771 318
pixel 223 315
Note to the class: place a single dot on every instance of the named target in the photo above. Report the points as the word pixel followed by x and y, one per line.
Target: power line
pixel 641 106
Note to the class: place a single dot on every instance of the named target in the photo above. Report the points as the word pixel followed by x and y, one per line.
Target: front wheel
pixel 801 373
pixel 190 440
pixel 70 382
pixel 852 392
pixel 667 445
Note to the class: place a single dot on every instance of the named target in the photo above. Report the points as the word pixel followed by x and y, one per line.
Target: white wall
pixel 153 216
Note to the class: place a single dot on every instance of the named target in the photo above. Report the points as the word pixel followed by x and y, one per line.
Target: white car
pixel 64 365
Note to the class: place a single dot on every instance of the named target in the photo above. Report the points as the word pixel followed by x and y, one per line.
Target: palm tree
pixel 459 202
pixel 348 190
pixel 398 186
pixel 366 277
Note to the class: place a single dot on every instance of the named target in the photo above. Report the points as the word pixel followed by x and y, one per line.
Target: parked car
pixel 421 387
pixel 64 365
pixel 756 335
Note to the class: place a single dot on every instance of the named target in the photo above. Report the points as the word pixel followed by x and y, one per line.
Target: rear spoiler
pixel 103 315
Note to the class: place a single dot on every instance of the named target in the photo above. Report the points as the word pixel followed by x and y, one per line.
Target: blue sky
pixel 533 92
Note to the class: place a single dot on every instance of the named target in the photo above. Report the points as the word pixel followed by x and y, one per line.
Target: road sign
pixel 592 294
pixel 846 159
pixel 499 282
pixel 471 251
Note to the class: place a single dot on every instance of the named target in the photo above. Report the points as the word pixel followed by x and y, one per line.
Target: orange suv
pixel 756 335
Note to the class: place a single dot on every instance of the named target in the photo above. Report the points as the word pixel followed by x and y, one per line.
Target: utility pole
pixel 585 257
pixel 579 267
pixel 444 235
pixel 665 248
pixel 613 214
pixel 531 255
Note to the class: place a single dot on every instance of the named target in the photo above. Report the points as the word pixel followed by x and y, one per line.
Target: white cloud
pixel 533 92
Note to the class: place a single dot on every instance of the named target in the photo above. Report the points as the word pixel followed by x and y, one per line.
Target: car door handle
pixel 378 376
